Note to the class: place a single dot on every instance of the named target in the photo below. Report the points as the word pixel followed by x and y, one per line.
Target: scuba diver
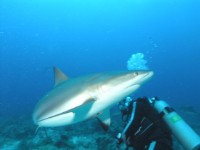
pixel 150 123
pixel 144 127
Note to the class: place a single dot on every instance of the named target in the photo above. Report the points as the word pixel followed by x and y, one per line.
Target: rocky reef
pixel 19 133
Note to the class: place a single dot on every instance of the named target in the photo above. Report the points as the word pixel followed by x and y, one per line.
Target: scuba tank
pixel 179 128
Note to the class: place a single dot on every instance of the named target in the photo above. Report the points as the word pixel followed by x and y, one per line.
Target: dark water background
pixel 88 36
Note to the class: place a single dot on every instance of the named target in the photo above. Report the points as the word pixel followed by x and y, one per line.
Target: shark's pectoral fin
pixel 104 119
pixel 59 76
pixel 85 107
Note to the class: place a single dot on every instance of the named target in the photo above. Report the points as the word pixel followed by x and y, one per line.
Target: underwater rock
pixel 82 142
pixel 10 145
pixel 23 145
pixel 87 135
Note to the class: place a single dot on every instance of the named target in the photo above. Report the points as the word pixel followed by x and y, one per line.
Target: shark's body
pixel 77 99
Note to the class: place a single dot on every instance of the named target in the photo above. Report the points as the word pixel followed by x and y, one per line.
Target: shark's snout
pixel 143 76
pixel 149 74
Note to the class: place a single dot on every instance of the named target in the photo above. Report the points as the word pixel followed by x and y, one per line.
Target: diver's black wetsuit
pixel 145 128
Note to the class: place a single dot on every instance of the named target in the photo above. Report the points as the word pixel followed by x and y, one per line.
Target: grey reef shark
pixel 73 100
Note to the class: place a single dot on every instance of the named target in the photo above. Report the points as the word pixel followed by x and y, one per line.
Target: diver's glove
pixel 119 138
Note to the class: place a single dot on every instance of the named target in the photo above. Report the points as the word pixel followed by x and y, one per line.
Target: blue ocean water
pixel 82 37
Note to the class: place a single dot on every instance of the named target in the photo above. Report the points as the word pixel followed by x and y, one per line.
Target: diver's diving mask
pixel 124 104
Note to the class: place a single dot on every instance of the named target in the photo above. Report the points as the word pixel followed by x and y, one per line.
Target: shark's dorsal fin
pixel 104 119
pixel 59 76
